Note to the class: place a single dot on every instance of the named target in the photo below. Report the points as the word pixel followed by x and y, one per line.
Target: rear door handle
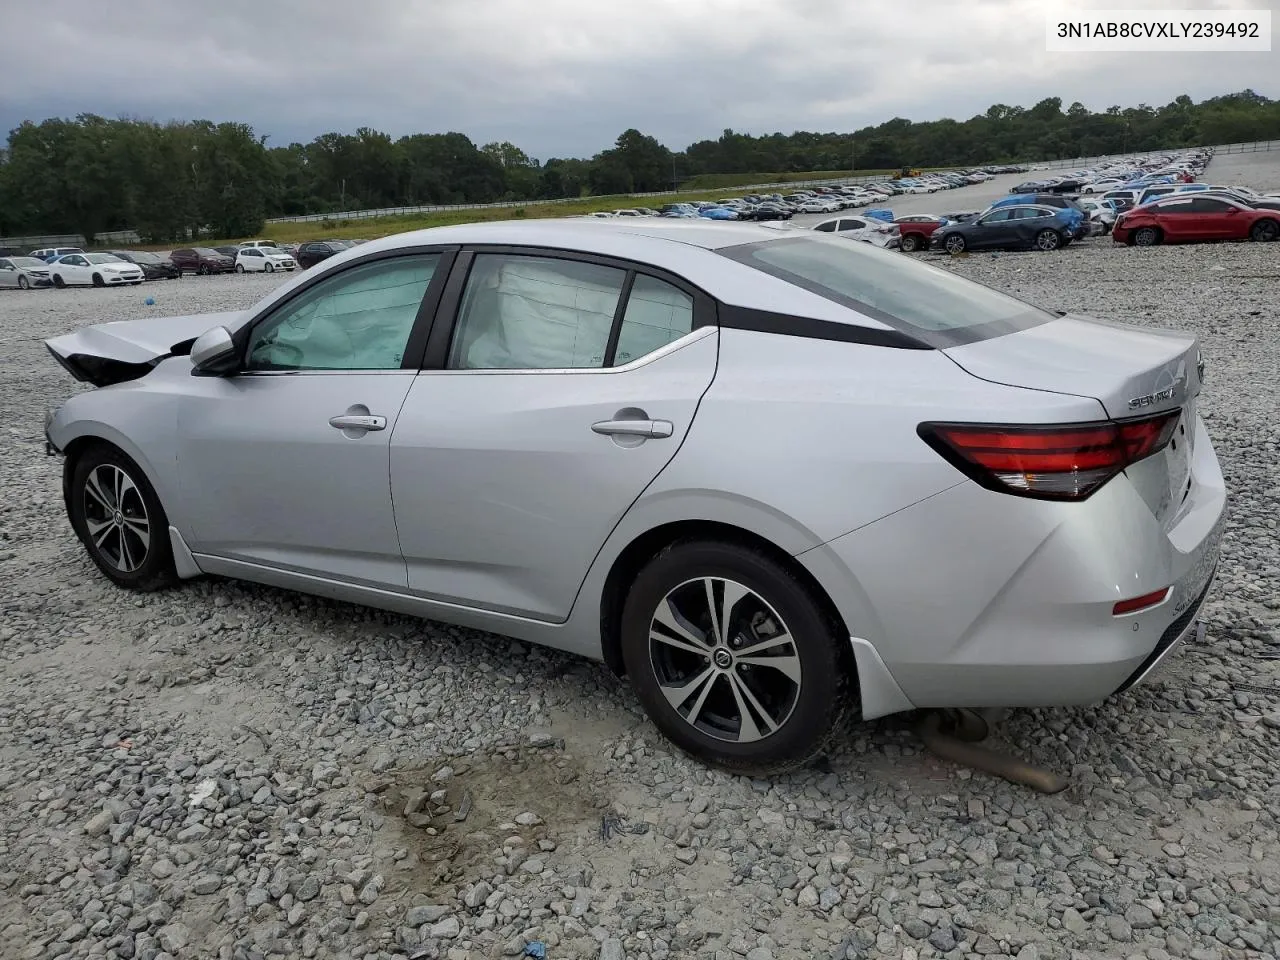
pixel 353 421
pixel 651 429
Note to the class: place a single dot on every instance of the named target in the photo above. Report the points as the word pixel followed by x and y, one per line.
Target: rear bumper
pixel 977 599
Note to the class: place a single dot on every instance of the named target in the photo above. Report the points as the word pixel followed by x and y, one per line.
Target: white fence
pixel 130 237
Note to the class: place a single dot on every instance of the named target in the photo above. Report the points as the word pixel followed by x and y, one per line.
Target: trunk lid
pixel 1131 371
pixel 121 350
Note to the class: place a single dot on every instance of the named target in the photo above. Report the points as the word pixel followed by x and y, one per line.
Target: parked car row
pixel 74 266
pixel 823 199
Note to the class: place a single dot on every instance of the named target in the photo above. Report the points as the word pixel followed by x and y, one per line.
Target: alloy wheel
pixel 1265 231
pixel 116 519
pixel 1047 240
pixel 724 660
pixel 1146 237
pixel 955 243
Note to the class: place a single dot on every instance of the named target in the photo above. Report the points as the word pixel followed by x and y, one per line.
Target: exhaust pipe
pixel 1001 765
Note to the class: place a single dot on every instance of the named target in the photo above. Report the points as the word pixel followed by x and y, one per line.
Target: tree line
pixel 91 174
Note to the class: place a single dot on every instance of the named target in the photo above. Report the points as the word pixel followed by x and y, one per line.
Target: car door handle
pixel 351 421
pixel 651 429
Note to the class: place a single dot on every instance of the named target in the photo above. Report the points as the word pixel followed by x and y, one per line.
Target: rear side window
pixel 928 303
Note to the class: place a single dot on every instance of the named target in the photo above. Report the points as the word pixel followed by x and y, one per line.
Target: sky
pixel 565 77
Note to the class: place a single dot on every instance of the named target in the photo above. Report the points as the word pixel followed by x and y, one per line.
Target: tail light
pixel 1050 462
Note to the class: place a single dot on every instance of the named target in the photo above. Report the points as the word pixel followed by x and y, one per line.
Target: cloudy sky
pixel 565 77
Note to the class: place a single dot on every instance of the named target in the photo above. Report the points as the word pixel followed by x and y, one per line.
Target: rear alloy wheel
pixel 98 281
pixel 1264 231
pixel 23 283
pixel 119 519
pixel 954 243
pixel 1048 240
pixel 1146 237
pixel 910 243
pixel 734 659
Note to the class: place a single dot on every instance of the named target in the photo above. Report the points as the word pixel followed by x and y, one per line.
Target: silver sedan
pixel 24 273
pixel 772 476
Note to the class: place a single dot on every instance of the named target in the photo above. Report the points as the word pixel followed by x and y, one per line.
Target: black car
pixel 1067 186
pixel 154 266
pixel 1014 226
pixel 1061 202
pixel 772 211
pixel 309 254
pixel 1031 186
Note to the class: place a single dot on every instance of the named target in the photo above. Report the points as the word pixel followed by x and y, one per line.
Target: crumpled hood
pixel 107 353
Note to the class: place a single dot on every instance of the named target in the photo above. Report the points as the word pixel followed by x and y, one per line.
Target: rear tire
pixel 761 714
pixel 910 243
pixel 116 514
pixel 1146 237
pixel 1048 240
pixel 1265 231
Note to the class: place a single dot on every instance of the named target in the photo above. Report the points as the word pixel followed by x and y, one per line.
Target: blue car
pixel 717 213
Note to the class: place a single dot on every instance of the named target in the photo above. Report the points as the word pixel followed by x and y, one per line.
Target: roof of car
pixel 588 235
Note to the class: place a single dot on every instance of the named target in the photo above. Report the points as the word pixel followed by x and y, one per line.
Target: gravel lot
pixel 231 771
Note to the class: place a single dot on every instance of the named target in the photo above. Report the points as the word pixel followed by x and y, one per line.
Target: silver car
pixel 24 273
pixel 770 475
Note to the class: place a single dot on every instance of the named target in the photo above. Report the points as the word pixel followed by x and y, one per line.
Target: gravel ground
pixel 232 771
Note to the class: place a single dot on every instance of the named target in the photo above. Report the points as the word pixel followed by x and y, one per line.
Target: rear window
pixel 933 305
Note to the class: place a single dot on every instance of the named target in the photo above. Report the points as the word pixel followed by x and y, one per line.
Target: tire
pixel 787 723
pixel 955 243
pixel 270 268
pixel 1048 240
pixel 910 243
pixel 24 283
pixel 118 517
pixel 58 281
pixel 98 281
pixel 1265 231
pixel 239 268
pixel 1146 236
pixel 202 270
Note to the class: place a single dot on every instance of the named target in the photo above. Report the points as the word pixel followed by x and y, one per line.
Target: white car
pixel 916 188
pixel 93 270
pixel 263 260
pixel 818 205
pixel 259 243
pixel 866 229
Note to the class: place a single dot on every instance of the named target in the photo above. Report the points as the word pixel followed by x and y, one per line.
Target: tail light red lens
pixel 1049 461
pixel 1134 604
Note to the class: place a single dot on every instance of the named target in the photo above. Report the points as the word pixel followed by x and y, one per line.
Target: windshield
pixel 103 258
pixel 933 304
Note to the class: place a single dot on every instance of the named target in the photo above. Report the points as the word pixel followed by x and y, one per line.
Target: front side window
pixel 359 319
pixel 535 313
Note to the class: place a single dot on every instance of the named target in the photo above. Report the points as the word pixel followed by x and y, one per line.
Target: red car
pixel 1192 218
pixel 916 231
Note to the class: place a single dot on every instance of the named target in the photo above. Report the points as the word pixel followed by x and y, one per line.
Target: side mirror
pixel 213 354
